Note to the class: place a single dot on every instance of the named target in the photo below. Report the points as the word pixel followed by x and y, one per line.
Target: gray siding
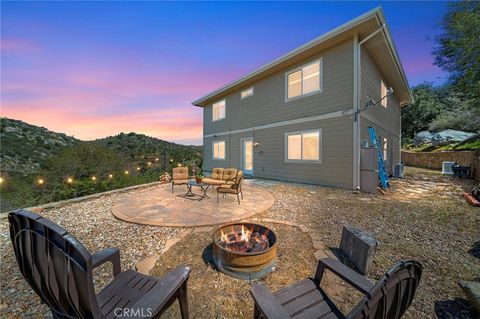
pixel 268 105
pixel 269 157
pixel 387 121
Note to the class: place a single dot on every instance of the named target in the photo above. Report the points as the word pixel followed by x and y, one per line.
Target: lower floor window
pixel 303 146
pixel 219 150
pixel 385 148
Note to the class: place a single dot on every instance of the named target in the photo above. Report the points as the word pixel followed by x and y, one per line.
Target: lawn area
pixel 423 217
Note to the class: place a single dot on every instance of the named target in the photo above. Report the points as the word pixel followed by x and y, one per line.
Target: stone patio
pixel 158 206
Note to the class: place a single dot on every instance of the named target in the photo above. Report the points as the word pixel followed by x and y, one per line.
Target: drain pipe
pixel 358 95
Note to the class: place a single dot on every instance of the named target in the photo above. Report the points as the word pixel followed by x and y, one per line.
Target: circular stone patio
pixel 158 206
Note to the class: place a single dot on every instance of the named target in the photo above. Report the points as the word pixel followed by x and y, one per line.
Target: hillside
pixel 36 162
pixel 139 146
pixel 23 147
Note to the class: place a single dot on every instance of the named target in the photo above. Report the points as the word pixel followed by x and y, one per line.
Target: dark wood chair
pixel 59 270
pixel 389 298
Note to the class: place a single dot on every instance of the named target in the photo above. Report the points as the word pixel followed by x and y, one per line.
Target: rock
pixel 144 266
pixel 359 247
pixel 472 290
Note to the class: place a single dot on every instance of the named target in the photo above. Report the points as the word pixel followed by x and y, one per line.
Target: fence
pixel 433 160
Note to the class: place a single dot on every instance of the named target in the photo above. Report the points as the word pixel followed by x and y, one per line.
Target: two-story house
pixel 294 118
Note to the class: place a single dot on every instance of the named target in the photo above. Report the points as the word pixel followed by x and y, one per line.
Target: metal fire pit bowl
pixel 244 265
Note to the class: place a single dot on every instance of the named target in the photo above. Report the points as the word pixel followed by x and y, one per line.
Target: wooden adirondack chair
pixel 59 270
pixel 389 298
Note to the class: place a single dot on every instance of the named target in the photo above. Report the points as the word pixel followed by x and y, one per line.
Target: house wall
pixel 387 121
pixel 335 168
pixel 268 105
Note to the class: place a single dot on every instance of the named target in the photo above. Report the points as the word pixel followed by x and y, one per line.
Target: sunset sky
pixel 94 69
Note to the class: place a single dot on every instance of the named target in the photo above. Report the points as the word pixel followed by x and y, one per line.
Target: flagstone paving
pixel 161 207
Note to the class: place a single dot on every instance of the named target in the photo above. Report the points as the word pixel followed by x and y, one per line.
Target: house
pixel 294 119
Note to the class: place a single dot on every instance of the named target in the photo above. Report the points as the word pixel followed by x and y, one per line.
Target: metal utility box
pixel 369 169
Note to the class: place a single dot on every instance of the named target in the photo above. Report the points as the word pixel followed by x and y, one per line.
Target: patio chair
pixel 180 176
pixel 216 178
pixel 235 188
pixel 59 269
pixel 389 298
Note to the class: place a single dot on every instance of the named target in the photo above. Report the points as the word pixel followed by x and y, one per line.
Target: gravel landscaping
pixel 423 217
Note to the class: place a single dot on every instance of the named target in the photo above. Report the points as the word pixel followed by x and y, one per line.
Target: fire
pixel 244 239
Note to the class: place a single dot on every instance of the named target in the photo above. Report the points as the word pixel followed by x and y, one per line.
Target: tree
pixel 428 105
pixel 457 49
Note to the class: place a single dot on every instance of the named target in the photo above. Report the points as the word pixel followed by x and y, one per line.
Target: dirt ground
pixel 422 216
pixel 215 295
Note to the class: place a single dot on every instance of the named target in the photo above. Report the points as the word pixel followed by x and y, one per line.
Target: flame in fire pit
pixel 244 240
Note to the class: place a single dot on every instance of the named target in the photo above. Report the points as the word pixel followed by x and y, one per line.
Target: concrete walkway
pixel 162 208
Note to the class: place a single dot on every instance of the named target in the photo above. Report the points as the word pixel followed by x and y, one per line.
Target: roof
pixel 363 25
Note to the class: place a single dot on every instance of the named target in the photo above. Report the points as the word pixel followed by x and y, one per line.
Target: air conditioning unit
pixel 398 170
pixel 447 168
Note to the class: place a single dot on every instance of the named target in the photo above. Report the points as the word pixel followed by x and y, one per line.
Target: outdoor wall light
pixel 256 144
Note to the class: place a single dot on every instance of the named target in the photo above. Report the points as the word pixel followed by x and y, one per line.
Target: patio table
pixel 193 196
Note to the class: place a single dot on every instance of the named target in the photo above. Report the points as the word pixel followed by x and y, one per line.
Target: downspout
pixel 357 96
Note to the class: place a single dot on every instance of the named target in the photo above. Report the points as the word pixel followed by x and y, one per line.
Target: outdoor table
pixel 191 195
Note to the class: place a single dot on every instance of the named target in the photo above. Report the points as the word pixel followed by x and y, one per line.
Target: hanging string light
pixel 149 163
pixel 126 172
pixel 110 175
pixel 69 180
pixel 138 168
pixel 41 181
pixel 2 180
pixel 94 178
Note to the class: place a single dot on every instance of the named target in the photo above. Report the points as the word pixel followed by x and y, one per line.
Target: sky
pixel 95 69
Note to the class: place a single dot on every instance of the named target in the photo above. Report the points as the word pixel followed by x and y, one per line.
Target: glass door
pixel 247 156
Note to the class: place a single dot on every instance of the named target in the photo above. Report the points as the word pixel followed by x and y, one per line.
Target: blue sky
pixel 101 68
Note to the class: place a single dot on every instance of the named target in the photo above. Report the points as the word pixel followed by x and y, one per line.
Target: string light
pixel 138 168
pixel 171 160
pixel 156 160
pixel 69 180
pixel 110 175
pixel 126 172
pixel 149 163
pixel 1 180
pixel 94 178
pixel 40 181
pixel 179 164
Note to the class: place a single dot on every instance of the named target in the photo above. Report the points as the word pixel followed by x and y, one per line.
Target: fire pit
pixel 245 250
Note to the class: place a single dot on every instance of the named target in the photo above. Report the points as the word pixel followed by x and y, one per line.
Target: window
pixel 305 80
pixel 383 93
pixel 303 146
pixel 218 110
pixel 218 150
pixel 246 93
pixel 385 148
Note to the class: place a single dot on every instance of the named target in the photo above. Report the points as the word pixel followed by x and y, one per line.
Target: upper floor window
pixel 246 93
pixel 218 110
pixel 218 150
pixel 303 146
pixel 383 93
pixel 304 80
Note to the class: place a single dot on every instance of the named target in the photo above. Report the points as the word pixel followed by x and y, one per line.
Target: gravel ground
pixel 422 217
pixel 93 224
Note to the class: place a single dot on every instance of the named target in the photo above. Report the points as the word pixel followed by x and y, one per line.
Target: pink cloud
pixel 18 46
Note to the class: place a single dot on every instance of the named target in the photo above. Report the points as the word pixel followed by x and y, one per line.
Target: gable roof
pixel 363 26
